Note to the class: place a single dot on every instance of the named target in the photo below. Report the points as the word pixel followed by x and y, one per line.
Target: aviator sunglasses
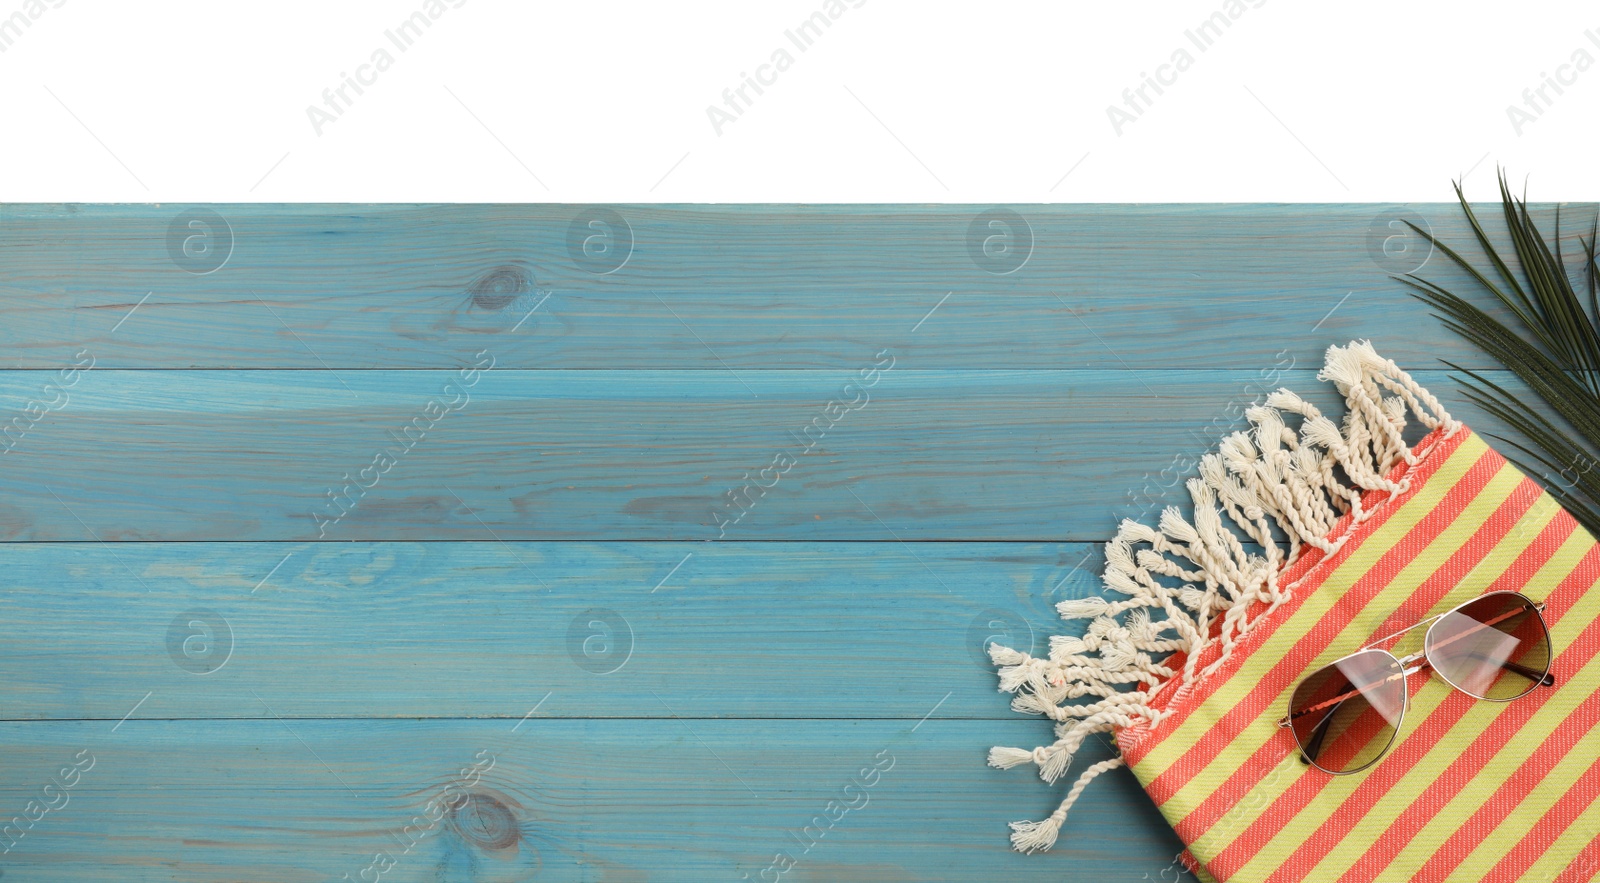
pixel 1345 715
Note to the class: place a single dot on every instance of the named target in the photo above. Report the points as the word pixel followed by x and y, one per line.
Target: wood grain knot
pixel 497 288
pixel 485 821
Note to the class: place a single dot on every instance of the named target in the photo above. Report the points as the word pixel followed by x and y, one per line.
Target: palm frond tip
pixel 1553 347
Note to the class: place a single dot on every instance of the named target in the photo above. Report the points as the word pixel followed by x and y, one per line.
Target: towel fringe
pixel 1265 477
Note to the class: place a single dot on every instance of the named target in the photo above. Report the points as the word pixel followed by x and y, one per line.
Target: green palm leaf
pixel 1554 349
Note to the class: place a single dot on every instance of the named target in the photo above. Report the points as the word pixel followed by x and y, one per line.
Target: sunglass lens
pixel 1495 647
pixel 1344 715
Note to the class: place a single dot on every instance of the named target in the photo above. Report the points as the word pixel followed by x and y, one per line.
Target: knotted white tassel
pixel 1039 836
pixel 1199 576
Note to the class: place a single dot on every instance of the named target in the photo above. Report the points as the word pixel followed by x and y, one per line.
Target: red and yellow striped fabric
pixel 1470 790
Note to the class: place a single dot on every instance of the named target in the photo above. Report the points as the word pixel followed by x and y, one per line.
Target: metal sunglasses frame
pixel 1415 664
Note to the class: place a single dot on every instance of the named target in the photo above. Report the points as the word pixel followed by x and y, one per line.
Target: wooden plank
pixel 274 800
pixel 629 455
pixel 424 630
pixel 764 286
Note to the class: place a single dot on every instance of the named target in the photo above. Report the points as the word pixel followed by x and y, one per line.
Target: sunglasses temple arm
pixel 1307 752
pixel 1338 700
pixel 1544 679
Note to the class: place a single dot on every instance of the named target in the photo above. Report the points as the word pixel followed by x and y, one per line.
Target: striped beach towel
pixel 1348 534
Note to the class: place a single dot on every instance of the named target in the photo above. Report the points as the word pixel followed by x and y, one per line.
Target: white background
pixel 896 102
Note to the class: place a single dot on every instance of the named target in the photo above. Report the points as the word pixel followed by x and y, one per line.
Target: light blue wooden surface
pixel 540 579
pixel 617 455
pixel 743 630
pixel 594 799
pixel 746 287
